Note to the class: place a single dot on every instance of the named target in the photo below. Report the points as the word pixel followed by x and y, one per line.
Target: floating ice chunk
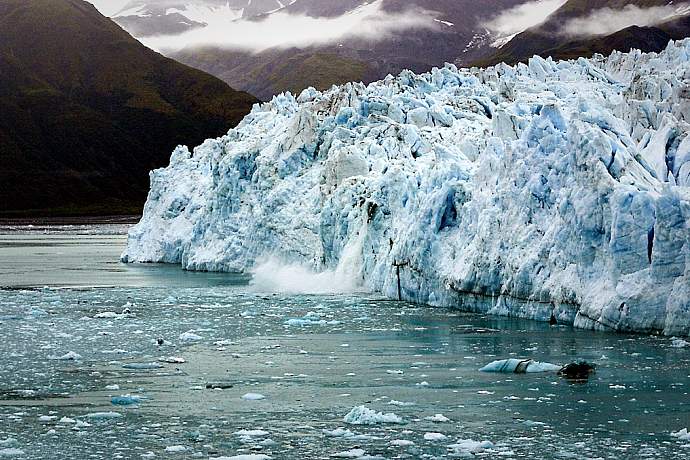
pixel 142 366
pixel 352 453
pixel 11 452
pixel 395 372
pixel 253 396
pixel 339 433
pixel 393 402
pixel 362 415
pixel 435 437
pixel 682 435
pixel 190 336
pixel 69 356
pixel 67 420
pixel 103 415
pixel 519 366
pixel 47 418
pixel 244 457
pixel 252 433
pixel 172 360
pixel 112 387
pixel 175 449
pixel 401 442
pixel 126 400
pixel 679 343
pixel 437 418
pixel 468 446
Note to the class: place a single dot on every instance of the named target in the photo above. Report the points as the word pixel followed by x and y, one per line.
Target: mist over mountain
pixel 86 111
pixel 270 46
pixel 581 28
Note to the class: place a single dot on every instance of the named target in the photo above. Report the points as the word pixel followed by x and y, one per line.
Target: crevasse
pixel 552 190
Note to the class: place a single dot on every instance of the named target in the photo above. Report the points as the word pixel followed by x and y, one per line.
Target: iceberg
pixel 556 191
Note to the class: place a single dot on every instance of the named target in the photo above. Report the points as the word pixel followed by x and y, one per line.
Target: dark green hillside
pixel 86 110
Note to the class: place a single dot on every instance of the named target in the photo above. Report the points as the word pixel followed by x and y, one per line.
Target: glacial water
pixel 273 375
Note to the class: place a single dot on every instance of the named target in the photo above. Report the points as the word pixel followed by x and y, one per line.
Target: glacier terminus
pixel 549 190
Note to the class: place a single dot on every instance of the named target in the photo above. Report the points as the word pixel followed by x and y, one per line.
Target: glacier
pixel 557 191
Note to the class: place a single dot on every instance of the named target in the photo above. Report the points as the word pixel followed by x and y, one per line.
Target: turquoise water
pixel 312 358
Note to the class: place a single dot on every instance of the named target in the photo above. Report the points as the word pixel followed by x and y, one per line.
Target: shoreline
pixel 69 220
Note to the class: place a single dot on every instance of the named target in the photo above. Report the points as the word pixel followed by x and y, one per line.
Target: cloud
pixel 607 20
pixel 109 7
pixel 522 17
pixel 283 30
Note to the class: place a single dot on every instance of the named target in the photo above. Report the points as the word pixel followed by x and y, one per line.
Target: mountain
pixel 445 30
pixel 558 191
pixel 86 111
pixel 557 36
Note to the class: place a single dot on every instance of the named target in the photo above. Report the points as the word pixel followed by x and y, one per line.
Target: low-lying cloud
pixel 282 30
pixel 522 17
pixel 607 20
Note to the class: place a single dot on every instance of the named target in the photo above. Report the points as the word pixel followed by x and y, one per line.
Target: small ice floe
pixel 437 418
pixel 190 336
pixel 47 418
pixel 682 435
pixel 393 402
pixel 352 453
pixel 339 433
pixel 69 356
pixel 103 415
pixel 679 343
pixel 126 400
pixel 142 366
pixel 252 433
pixel 253 397
pixel 395 372
pixel 422 384
pixel 617 387
pixel 468 447
pixel 519 366
pixel 244 457
pixel 401 442
pixel 175 449
pixel 362 415
pixel 172 360
pixel 436 437
pixel 310 319
pixel 112 387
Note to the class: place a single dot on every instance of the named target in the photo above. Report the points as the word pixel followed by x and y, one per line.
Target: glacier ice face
pixel 553 190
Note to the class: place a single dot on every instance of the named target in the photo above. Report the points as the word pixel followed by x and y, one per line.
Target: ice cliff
pixel 553 190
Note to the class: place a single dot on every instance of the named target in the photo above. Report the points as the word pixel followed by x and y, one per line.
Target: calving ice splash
pixel 554 190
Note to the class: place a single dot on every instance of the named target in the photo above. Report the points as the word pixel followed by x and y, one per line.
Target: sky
pixel 109 7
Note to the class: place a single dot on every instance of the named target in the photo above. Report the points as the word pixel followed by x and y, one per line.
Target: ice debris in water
pixel 362 415
pixel 468 447
pixel 103 415
pixel 142 366
pixel 352 453
pixel 69 356
pixel 244 457
pixel 519 366
pixel 126 400
pixel 437 418
pixel 679 343
pixel 253 397
pixel 558 189
pixel 683 434
pixel 435 437
pixel 175 449
pixel 309 319
pixel 190 336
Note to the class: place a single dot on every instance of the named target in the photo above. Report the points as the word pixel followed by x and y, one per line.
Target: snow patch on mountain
pixel 552 190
